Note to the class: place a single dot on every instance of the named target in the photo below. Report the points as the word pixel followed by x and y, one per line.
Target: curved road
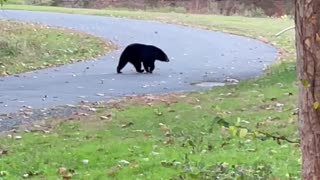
pixel 196 55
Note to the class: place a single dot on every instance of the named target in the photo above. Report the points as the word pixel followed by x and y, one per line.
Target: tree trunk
pixel 197 5
pixel 307 20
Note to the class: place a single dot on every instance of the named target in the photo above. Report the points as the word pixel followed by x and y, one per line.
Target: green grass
pixel 26 47
pixel 176 136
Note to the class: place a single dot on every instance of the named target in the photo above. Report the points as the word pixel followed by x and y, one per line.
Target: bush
pixel 39 2
pixel 169 9
pixel 16 2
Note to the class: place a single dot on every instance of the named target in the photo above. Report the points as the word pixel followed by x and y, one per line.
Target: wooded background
pixel 223 7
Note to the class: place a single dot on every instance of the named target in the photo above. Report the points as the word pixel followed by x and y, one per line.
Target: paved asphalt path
pixel 196 56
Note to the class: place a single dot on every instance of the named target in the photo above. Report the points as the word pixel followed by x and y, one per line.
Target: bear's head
pixel 162 56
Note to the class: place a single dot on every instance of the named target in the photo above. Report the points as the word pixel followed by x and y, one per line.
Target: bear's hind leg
pixel 146 66
pixel 138 67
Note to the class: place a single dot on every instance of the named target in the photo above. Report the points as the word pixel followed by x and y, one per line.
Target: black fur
pixel 138 54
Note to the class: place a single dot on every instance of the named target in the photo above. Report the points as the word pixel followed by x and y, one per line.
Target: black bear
pixel 141 53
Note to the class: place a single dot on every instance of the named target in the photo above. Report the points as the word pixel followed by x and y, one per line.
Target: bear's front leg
pixel 121 65
pixel 151 67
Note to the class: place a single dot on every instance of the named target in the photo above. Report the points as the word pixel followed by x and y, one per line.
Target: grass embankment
pixel 195 136
pixel 262 28
pixel 25 47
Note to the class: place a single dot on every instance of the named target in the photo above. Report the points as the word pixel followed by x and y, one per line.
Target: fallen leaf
pixel 169 141
pixel 164 128
pixel 166 164
pixel 134 165
pixel 18 137
pixel 107 117
pixel 279 106
pixel 273 99
pixel 155 153
pixel 3 152
pixel 113 170
pixel 85 161
pixel 63 171
pixel 74 117
pixel 316 105
pixel 67 177
pixel 230 80
pixel 124 162
pixel 93 109
pixel 147 135
pixel 4 73
pixel 3 173
pixel 83 114
pixel 127 125
pixel 243 133
pixel 100 94
pixel 157 112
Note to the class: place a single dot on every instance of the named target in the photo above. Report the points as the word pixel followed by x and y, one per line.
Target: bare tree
pixel 307 26
pixel 197 5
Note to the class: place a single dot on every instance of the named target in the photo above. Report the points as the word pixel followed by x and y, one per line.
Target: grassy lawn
pixel 204 135
pixel 25 47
